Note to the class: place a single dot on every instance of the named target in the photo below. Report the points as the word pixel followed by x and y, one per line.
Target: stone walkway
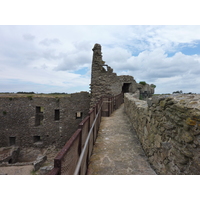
pixel 117 150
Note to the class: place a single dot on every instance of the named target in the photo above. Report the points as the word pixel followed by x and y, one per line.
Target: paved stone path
pixel 117 150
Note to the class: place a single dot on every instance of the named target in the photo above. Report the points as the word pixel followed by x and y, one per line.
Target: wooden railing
pixel 74 156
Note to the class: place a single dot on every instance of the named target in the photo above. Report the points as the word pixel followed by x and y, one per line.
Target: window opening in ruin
pixel 57 115
pixel 39 115
pixel 12 140
pixel 79 115
pixel 39 109
pixel 126 87
pixel 36 138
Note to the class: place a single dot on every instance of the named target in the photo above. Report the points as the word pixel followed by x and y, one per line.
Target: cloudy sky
pixel 57 58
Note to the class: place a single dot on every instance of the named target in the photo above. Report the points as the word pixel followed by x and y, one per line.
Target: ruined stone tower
pixel 99 83
pixel 106 83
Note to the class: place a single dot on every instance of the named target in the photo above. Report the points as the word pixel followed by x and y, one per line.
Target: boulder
pixel 45 170
pixel 39 162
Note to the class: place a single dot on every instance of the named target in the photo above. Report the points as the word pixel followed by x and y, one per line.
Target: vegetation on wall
pixel 30 97
pixel 152 85
pixel 142 83
pixel 178 92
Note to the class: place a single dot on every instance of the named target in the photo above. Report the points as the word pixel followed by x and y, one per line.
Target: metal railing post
pixel 57 164
pixel 85 145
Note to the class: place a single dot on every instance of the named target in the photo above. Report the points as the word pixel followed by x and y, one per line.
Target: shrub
pixel 152 85
pixel 142 83
pixel 30 97
pixel 25 92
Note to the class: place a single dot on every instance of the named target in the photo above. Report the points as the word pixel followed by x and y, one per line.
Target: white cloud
pixel 116 54
pixel 43 76
pixel 48 42
pixel 50 55
pixel 169 38
pixel 28 37
pixel 178 72
pixel 74 61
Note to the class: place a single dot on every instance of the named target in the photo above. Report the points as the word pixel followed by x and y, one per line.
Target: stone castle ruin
pixel 41 121
pixel 168 126
pixel 32 126
pixel 104 82
pixel 28 121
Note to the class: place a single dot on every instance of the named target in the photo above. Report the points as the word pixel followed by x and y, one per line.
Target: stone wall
pixel 104 82
pixel 146 91
pixel 169 130
pixel 41 121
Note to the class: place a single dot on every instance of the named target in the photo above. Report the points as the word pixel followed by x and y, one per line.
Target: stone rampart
pixel 169 130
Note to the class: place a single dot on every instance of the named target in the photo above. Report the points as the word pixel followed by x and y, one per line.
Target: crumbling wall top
pixel 96 46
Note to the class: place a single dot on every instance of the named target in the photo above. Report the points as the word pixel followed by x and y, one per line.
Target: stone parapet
pixel 168 127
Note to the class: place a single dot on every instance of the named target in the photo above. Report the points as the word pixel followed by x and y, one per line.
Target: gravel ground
pixel 16 170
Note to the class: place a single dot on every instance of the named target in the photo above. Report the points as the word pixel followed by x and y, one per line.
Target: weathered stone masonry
pixel 104 82
pixel 169 130
pixel 41 121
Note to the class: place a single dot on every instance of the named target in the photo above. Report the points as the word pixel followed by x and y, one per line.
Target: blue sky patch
pixel 191 50
pixel 82 71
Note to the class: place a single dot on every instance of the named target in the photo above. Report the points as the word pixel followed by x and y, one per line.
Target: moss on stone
pixel 162 103
pixel 190 122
